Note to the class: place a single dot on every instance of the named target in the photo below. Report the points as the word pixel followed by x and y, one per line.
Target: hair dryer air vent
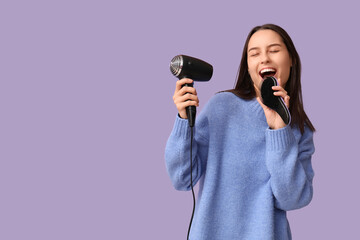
pixel 176 65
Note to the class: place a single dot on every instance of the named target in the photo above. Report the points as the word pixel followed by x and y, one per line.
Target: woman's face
pixel 268 56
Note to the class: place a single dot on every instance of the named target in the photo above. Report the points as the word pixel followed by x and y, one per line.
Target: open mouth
pixel 267 72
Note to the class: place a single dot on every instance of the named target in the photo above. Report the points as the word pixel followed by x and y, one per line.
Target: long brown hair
pixel 244 87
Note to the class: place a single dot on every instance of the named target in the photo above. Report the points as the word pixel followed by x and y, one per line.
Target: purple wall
pixel 86 109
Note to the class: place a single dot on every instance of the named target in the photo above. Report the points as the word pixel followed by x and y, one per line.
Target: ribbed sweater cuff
pixel 279 139
pixel 181 128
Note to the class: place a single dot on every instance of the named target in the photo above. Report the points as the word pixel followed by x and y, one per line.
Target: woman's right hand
pixel 185 96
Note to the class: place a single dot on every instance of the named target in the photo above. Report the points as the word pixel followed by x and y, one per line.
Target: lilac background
pixel 86 109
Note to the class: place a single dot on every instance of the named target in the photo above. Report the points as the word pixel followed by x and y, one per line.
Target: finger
pixel 186 104
pixel 278 88
pixel 184 92
pixel 181 82
pixel 186 97
pixel 287 101
pixel 285 97
pixel 280 93
pixel 186 89
pixel 181 89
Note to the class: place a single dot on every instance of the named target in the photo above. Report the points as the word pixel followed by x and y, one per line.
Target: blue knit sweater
pixel 249 174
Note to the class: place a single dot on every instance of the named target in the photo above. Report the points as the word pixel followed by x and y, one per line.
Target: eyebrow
pixel 271 45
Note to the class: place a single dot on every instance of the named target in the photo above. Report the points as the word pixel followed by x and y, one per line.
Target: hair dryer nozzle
pixel 176 65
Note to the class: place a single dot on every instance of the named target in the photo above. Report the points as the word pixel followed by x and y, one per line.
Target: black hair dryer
pixel 183 66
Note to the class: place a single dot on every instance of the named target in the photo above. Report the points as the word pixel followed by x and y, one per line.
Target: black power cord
pixel 191 180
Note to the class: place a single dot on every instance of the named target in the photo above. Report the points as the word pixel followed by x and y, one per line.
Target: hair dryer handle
pixel 190 110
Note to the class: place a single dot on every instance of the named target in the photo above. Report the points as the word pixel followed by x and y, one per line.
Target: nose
pixel 264 58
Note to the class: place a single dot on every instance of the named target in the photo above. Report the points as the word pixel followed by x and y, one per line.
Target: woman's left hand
pixel 272 117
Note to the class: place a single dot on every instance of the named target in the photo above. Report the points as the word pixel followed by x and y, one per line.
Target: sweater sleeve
pixel 177 153
pixel 289 163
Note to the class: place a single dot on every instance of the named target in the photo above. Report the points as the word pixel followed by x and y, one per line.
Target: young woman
pixel 250 165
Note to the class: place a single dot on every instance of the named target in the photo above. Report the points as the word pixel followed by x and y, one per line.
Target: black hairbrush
pixel 274 102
